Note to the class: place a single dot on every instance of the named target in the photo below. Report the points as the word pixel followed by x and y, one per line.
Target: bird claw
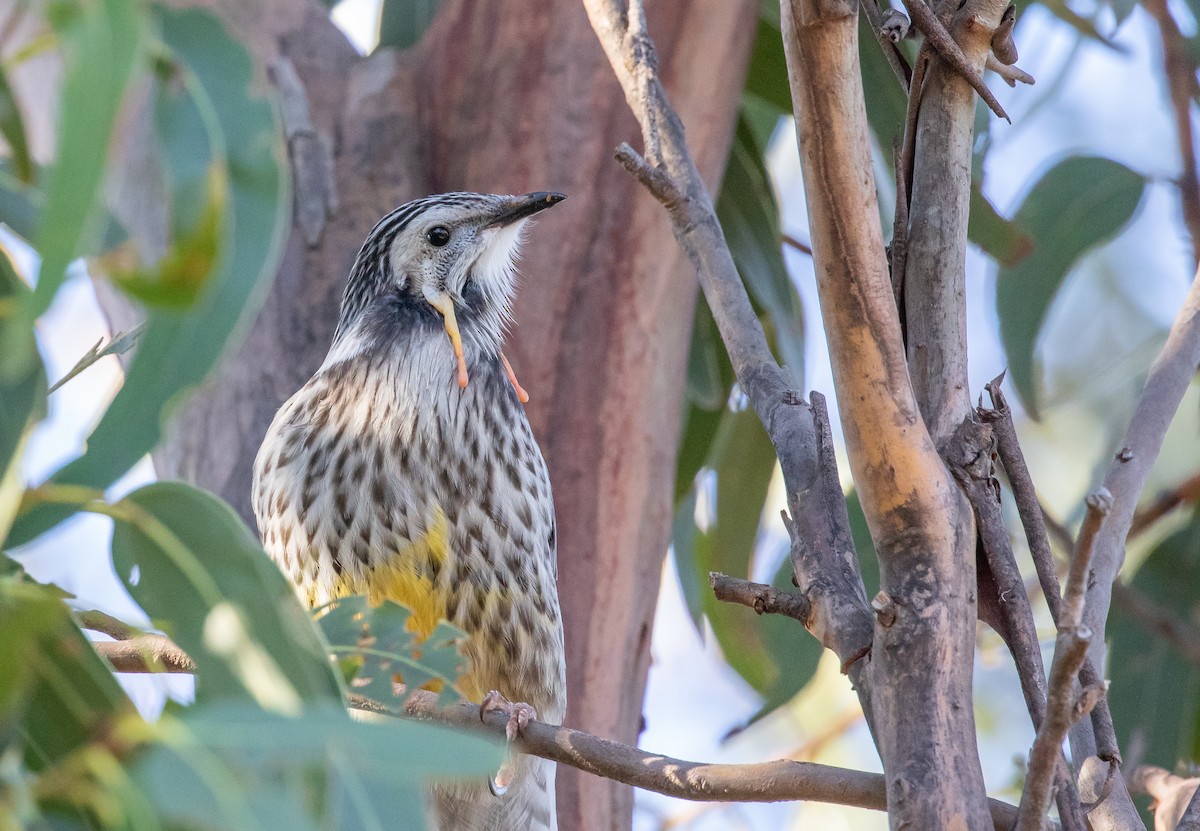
pixel 519 713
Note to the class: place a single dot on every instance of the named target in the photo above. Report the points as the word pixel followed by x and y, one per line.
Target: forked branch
pixel 823 560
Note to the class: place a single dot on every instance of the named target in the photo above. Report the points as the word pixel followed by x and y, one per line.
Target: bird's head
pixel 449 257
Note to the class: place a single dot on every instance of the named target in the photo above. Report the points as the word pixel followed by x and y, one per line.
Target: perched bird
pixel 405 470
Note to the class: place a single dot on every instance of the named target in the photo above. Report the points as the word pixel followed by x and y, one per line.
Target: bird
pixel 406 470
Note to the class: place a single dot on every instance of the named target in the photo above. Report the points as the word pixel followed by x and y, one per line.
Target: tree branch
pixel 1165 385
pixel 1035 523
pixel 1177 800
pixel 970 459
pixel 1185 493
pixel 760 597
pixel 145 653
pixel 1064 708
pixel 1180 69
pixel 777 781
pixel 824 563
pixel 921 659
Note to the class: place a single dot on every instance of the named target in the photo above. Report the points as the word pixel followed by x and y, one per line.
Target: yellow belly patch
pixel 406 577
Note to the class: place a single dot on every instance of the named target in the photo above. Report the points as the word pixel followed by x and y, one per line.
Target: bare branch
pixel 1177 804
pixel 1180 69
pixel 1063 707
pixel 1099 503
pixel 825 567
pixel 145 653
pixel 1036 522
pixel 1011 74
pixel 970 459
pixel 778 781
pixel 1166 383
pixel 947 48
pixel 760 597
pixel 1185 493
pixel 105 624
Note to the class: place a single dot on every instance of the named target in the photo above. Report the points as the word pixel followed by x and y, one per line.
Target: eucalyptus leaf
pixel 1155 692
pixel 213 117
pixel 22 398
pixel 245 768
pixel 750 219
pixel 382 650
pixel 101 42
pixel 403 22
pixel 12 127
pixel 201 576
pixel 1079 203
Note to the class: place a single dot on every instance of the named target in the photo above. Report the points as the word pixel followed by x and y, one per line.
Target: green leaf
pixel 1079 203
pixel 750 219
pixel 22 398
pixel 101 42
pixel 19 204
pixel 403 22
pixel 1002 239
pixel 197 571
pixel 376 643
pixel 744 461
pixel 12 127
pixel 179 278
pixel 212 119
pixel 767 76
pixel 240 767
pixel 28 614
pixel 794 652
pixel 1155 691
pixel 70 696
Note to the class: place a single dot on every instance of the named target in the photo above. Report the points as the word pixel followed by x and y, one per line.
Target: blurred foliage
pixel 1155 691
pixel 269 742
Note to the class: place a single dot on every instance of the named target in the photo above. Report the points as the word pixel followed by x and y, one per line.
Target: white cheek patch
pixel 495 266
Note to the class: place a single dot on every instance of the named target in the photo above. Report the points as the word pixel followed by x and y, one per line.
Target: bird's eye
pixel 438 235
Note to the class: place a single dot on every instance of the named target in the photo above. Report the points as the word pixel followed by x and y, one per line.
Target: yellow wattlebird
pixel 405 470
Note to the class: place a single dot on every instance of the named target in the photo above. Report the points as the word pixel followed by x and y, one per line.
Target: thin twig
pixel 106 624
pixel 1099 505
pixel 777 781
pixel 1180 69
pixel 945 46
pixel 760 597
pixel 1186 492
pixel 841 618
pixel 802 247
pixel 970 459
pixel 1063 706
pixel 145 653
pixel 1036 522
pixel 1166 383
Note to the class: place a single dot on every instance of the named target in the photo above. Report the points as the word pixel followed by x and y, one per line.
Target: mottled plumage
pixel 384 476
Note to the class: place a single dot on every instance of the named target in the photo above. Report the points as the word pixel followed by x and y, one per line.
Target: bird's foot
pixel 519 716
pixel 519 713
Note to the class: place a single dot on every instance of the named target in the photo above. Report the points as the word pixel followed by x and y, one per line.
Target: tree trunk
pixel 505 96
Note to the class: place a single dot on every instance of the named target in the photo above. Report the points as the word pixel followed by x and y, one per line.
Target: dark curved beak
pixel 520 207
